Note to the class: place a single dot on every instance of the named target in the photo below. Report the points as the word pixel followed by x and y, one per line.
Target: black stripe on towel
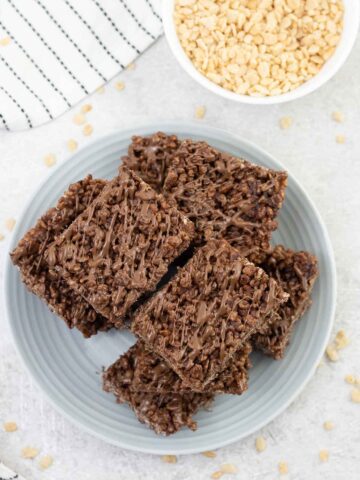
pixel 4 122
pixel 49 48
pixel 94 34
pixel 17 104
pixel 109 19
pixel 85 57
pixel 133 16
pixel 153 10
pixel 40 70
pixel 29 89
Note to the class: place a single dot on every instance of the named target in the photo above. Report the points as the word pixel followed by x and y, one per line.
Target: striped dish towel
pixel 7 474
pixel 53 53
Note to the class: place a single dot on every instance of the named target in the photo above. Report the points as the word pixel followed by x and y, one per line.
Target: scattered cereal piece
pixel 200 112
pixel 50 160
pixel 119 86
pixel 79 119
pixel 355 395
pixel 283 468
pixel 332 353
pixel 328 425
pixel 209 454
pixel 87 130
pixel 72 145
pixel 10 427
pixel 340 139
pixel 286 122
pixel 4 42
pixel 86 108
pixel 349 378
pixel 324 455
pixel 169 458
pixel 341 340
pixel 320 364
pixel 131 66
pixel 338 117
pixel 228 468
pixel 10 224
pixel 45 462
pixel 260 444
pixel 217 474
pixel 100 90
pixel 29 452
pixel 1 237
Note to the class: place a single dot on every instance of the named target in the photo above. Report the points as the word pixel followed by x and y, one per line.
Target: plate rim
pixel 169 127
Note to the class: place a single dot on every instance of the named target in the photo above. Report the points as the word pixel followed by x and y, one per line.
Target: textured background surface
pixel 158 90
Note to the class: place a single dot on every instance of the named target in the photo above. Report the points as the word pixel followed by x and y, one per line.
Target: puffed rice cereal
pixel 283 468
pixel 324 455
pixel 259 47
pixel 10 427
pixel 46 462
pixel 169 458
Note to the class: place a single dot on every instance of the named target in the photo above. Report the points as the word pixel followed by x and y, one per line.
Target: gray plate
pixel 67 367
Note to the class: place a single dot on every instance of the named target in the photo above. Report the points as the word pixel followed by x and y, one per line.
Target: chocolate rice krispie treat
pixel 141 370
pixel 207 312
pixel 149 157
pixel 227 196
pixel 164 413
pixel 45 282
pixel 121 246
pixel 296 272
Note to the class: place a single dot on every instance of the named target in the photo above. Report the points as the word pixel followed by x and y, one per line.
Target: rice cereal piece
pixel 46 462
pixel 29 452
pixel 10 427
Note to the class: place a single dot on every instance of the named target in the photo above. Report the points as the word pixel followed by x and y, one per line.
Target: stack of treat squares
pixel 176 248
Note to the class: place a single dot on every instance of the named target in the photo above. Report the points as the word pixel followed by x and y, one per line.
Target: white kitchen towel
pixel 7 474
pixel 53 53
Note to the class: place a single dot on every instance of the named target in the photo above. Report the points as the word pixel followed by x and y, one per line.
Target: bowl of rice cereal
pixel 261 51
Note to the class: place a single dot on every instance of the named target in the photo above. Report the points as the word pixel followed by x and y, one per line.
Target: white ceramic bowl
pixel 350 30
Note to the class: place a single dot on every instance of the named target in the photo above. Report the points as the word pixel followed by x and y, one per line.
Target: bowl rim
pixel 330 68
